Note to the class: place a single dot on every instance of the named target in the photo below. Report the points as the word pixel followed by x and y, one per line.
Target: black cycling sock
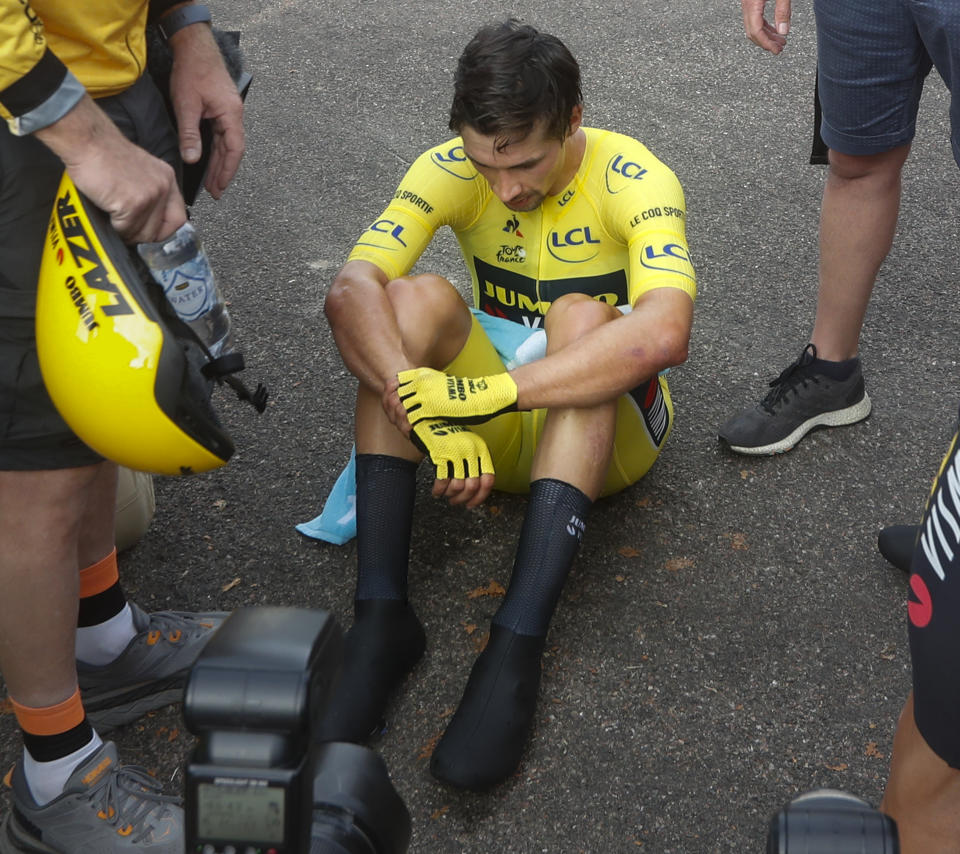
pixel 484 741
pixel 552 529
pixel 386 487
pixel 381 648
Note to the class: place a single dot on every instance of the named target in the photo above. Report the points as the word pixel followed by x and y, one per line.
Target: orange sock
pixel 104 619
pixel 101 596
pixel 52 732
pixel 50 720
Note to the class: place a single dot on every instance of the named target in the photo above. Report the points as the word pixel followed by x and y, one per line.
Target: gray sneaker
pixel 151 672
pixel 105 808
pixel 800 400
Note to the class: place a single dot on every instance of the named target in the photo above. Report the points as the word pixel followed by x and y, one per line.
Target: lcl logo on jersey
pixel 621 172
pixel 454 161
pixel 392 235
pixel 670 257
pixel 573 246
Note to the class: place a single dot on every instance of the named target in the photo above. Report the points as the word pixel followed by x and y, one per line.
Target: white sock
pixel 102 643
pixel 47 779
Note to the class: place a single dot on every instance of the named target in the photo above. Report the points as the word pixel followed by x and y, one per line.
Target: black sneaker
pixel 800 399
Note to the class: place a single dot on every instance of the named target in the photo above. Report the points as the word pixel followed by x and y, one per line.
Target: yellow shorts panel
pixel 644 420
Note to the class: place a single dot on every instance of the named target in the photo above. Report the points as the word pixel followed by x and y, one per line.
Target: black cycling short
pixel 33 436
pixel 933 612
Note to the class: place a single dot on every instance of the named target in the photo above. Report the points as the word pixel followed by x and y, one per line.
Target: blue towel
pixel 516 343
pixel 337 523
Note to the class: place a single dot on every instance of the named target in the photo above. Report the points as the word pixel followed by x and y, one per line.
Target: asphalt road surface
pixel 730 636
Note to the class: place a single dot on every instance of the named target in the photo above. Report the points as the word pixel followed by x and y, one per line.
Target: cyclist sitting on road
pixel 567 230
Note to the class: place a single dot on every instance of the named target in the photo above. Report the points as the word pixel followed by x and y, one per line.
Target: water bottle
pixel 180 267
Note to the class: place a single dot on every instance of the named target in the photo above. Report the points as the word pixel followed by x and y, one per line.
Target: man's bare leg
pixel 576 443
pixel 42 515
pixel 858 218
pixel 40 525
pixel 105 622
pixel 923 793
pixel 98 525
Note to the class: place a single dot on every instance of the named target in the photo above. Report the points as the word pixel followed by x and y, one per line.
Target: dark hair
pixel 510 77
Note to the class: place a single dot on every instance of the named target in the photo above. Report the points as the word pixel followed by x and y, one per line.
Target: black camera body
pixel 828 821
pixel 256 782
pixel 251 699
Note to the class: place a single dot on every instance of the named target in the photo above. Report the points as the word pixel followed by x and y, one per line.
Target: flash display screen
pixel 246 813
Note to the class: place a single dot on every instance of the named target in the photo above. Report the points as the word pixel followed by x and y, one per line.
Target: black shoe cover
pixel 896 544
pixel 484 741
pixel 381 648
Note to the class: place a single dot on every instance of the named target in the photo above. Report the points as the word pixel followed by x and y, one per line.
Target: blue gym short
pixel 873 56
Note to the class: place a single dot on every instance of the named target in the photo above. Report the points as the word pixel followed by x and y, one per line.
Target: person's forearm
pixel 365 329
pixel 80 133
pixel 135 189
pixel 611 360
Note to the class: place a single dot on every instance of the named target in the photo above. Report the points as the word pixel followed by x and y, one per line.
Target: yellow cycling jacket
pixel 51 51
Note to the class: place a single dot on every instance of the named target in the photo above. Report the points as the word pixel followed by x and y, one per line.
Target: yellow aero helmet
pixel 124 381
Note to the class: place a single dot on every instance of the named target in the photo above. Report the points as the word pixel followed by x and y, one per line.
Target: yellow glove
pixel 426 393
pixel 456 451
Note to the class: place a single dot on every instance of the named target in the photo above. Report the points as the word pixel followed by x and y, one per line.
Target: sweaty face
pixel 527 170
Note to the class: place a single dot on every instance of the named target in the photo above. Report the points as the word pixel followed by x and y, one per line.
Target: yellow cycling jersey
pixel 616 231
pixel 102 44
